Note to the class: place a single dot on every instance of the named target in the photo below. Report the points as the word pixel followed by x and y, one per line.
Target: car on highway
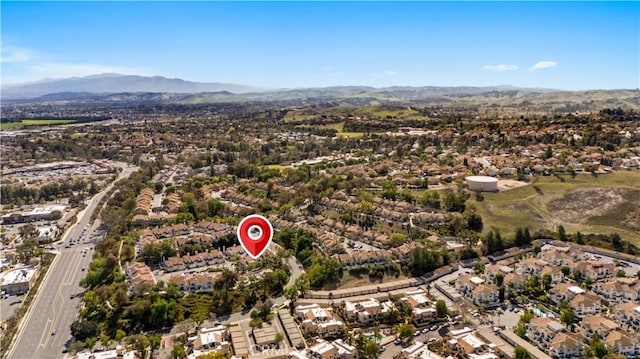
pixel 53 332
pixel 83 269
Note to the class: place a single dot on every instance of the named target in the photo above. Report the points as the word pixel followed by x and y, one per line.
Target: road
pixel 46 327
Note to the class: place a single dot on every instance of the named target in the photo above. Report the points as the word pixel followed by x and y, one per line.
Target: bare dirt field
pixel 508 184
pixel 603 204
pixel 577 206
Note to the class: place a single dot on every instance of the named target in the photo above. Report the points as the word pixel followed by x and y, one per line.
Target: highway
pixel 46 327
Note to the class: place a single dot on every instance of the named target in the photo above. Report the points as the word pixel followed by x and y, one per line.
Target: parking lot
pixel 9 306
pixel 424 335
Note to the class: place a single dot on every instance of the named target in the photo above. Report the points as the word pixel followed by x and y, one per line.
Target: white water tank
pixel 482 183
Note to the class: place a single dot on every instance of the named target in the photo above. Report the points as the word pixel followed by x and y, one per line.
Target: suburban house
pixel 320 321
pixel 140 277
pixel 623 343
pixel 486 295
pixel 492 270
pixel 555 272
pixel 531 266
pixel 615 291
pixel 542 330
pixel 596 270
pixel 365 312
pixel 564 346
pixel 628 315
pixel 465 284
pixel 597 325
pixel 564 292
pixel 585 305
pixel 515 281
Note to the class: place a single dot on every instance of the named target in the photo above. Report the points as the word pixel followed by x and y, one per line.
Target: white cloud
pixel 387 73
pixel 15 54
pixel 543 65
pixel 500 68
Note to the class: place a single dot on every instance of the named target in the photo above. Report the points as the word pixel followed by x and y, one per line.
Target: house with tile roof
pixel 565 346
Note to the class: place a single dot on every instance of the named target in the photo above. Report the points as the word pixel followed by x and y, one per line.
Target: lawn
pixel 604 204
pixel 275 167
pixel 339 127
pixel 11 126
pixel 46 122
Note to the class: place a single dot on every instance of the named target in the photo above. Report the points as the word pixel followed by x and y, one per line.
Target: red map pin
pixel 255 233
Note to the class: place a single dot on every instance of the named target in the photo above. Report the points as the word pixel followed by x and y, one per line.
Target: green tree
pixel 397 239
pixel 120 334
pixel 546 281
pixel 430 199
pixel 474 222
pixel 178 352
pixel 596 349
pixel 521 353
pixel 405 331
pixel 82 329
pixel 562 234
pixel 567 315
pixel 441 308
pixel 371 350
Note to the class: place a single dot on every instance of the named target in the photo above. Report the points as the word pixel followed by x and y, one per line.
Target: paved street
pixel 53 310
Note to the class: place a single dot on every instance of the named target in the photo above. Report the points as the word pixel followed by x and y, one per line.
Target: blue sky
pixel 570 45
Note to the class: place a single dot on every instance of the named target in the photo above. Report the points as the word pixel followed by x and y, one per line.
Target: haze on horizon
pixel 570 46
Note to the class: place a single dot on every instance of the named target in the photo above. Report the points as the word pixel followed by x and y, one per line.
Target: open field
pixel 275 167
pixel 604 204
pixel 353 281
pixel 46 122
pixel 11 126
pixel 26 123
pixel 383 111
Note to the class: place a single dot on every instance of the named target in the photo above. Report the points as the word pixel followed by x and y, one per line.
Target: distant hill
pixel 115 83
pixel 120 89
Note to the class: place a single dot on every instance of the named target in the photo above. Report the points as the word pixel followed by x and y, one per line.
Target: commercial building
pixel 19 280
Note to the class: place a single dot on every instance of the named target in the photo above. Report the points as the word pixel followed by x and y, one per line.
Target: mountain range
pixel 115 88
pixel 114 83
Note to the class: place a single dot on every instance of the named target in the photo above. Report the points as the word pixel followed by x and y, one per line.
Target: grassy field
pixel 296 116
pixel 275 167
pixel 46 122
pixel 382 111
pixel 11 126
pixel 604 204
pixel 26 123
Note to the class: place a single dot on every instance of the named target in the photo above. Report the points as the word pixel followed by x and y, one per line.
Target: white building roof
pixel 18 275
pixel 473 341
pixel 109 354
pixel 576 290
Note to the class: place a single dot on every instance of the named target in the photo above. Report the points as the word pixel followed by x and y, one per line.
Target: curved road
pixel 45 329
